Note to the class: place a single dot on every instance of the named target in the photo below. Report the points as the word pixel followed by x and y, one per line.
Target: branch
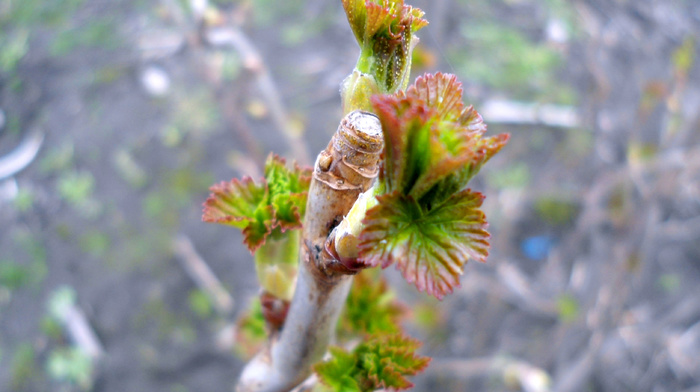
pixel 22 156
pixel 232 36
pixel 346 168
pixel 527 376
pixel 200 272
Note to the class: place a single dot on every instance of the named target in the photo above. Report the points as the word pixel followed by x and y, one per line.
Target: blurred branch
pixel 523 113
pixel 200 272
pixel 62 306
pixel 231 36
pixel 22 156
pixel 525 375
pixel 518 285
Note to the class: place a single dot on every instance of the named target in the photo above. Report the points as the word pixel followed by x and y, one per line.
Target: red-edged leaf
pixel 369 18
pixel 256 232
pixel 278 201
pixel 432 140
pixel 484 150
pixel 429 247
pixel 406 128
pixel 242 204
pixel 442 92
pixel 234 203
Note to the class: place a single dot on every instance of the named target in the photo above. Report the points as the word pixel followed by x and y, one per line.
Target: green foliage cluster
pixel 72 366
pixel 379 362
pixel 507 57
pixel 277 202
pixel 371 307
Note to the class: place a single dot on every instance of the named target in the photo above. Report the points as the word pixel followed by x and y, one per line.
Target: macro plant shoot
pixel 391 188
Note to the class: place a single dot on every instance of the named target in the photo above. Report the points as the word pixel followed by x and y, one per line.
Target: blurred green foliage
pixel 514 176
pixel 51 327
pixel 669 282
pixel 196 114
pixel 12 275
pixel 684 57
pixel 75 186
pixel 95 243
pixel 99 33
pixel 58 158
pixel 13 47
pixel 29 13
pixel 371 307
pixel 127 167
pixel 72 366
pixel 29 268
pixel 267 12
pixel 21 20
pixel 199 303
pixel 24 200
pixel 567 308
pixel 169 326
pixel 641 152
pixel 556 211
pixel 504 58
pixel 23 367
pixel 60 301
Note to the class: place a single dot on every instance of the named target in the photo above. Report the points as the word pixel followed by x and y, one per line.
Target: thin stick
pixel 202 275
pixel 81 333
pixel 233 36
pixel 22 156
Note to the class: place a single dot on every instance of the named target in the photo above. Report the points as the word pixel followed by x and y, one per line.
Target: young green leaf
pixel 242 204
pixel 429 247
pixel 371 307
pixel 379 362
pixel 426 222
pixel 287 191
pixel 338 372
pixel 278 201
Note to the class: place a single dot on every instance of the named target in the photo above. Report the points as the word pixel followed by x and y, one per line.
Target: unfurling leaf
pixel 385 31
pixel 242 204
pixel 288 191
pixel 433 142
pixel 380 362
pixel 429 247
pixel 371 307
pixel 426 222
pixel 337 373
pixel 278 201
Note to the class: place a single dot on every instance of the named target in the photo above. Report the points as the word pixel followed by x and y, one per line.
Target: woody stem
pixel 345 169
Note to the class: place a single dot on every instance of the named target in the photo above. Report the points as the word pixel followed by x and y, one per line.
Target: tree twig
pixel 200 272
pixel 347 167
pixel 233 37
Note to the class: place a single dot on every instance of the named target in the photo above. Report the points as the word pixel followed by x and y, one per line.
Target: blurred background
pixel 117 115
